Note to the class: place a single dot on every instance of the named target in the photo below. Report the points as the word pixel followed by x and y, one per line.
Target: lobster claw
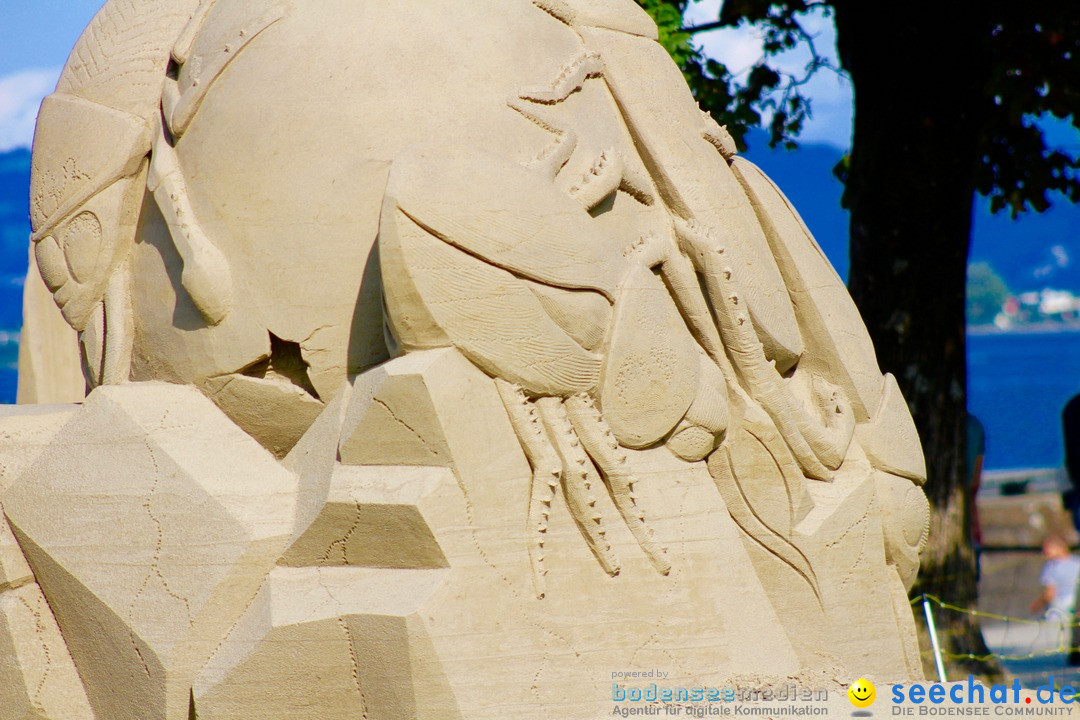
pixel 463 251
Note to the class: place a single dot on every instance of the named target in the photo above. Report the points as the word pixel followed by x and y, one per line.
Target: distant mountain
pixel 14 210
pixel 805 176
pixel 1030 253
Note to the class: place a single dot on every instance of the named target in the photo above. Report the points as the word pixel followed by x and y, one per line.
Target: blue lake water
pixel 8 383
pixel 1017 385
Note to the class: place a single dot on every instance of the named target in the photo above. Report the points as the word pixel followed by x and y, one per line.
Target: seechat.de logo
pixel 862 693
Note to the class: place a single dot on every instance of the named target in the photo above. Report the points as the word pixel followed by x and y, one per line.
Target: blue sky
pixel 36 36
pixel 740 48
pixel 35 39
pixel 830 92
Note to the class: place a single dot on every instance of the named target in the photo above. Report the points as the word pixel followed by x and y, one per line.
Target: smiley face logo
pixel 861 693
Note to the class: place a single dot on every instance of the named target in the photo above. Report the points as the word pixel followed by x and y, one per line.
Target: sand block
pixel 25 431
pixel 374 517
pixel 38 680
pixel 173 517
pixel 844 540
pixel 323 643
pixel 469 514
pixel 14 572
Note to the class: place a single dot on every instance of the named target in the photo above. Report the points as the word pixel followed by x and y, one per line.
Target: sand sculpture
pixel 445 360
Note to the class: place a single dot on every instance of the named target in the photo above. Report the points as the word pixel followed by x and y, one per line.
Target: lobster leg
pixel 603 448
pixel 681 278
pixel 749 357
pixel 578 480
pixel 546 468
pixel 831 439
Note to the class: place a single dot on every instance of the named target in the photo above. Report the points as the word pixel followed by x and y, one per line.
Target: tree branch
pixel 715 25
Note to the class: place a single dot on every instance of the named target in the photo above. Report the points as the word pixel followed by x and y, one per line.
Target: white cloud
pixel 829 92
pixel 700 11
pixel 831 109
pixel 20 96
pixel 737 48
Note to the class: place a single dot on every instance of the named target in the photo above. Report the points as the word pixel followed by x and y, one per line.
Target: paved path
pixel 1010 580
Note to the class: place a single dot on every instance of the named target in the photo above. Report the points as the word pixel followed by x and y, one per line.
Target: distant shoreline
pixel 1043 328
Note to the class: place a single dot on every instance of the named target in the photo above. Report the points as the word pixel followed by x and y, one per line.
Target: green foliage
pixel 741 105
pixel 1036 74
pixel 668 17
pixel 986 293
pixel 709 80
pixel 1034 48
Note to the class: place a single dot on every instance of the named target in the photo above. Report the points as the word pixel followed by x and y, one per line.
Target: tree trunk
pixel 919 73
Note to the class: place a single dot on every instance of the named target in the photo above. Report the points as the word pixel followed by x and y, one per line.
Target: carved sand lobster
pixel 593 352
pixel 596 343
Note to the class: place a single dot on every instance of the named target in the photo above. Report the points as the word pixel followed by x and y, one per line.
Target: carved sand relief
pixel 644 373
pixel 540 375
